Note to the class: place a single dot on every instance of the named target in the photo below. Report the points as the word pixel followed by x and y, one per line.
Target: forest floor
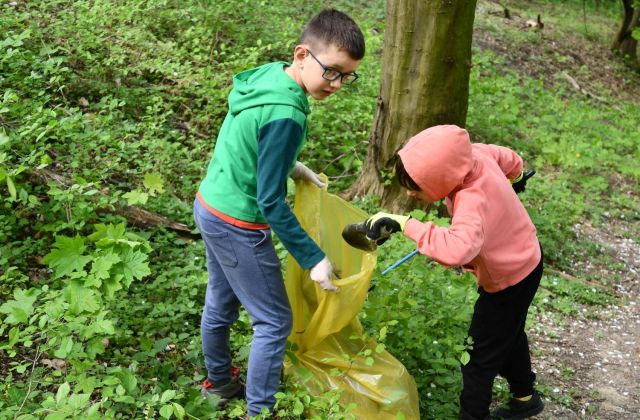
pixel 589 364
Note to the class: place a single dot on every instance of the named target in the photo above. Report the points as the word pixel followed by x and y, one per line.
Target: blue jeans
pixel 244 269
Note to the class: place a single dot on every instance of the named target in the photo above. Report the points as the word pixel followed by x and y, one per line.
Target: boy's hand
pixel 300 171
pixel 321 274
pixel 379 226
pixel 519 184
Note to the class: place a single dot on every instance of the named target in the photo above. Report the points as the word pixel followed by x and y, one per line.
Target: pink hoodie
pixel 491 234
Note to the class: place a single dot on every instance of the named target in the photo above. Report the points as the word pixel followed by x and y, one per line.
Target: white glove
pixel 321 274
pixel 300 171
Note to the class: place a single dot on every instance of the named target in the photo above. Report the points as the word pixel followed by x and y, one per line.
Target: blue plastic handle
pixel 400 261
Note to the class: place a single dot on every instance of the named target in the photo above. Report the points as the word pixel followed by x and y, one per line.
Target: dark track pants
pixel 499 346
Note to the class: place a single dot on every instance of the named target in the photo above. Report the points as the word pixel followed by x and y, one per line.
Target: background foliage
pixel 100 319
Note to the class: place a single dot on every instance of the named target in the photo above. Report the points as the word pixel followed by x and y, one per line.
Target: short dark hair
pixel 403 177
pixel 332 27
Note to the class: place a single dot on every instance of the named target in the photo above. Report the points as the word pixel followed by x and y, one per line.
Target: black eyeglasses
pixel 332 74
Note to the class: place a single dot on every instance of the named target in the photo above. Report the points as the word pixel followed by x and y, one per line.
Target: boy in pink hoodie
pixel 491 236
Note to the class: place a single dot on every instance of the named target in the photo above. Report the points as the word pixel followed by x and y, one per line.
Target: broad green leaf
pixel 133 266
pixel 11 187
pixel 92 412
pixel 167 395
pixel 57 416
pixel 136 197
pixel 63 391
pixel 80 298
pixel 112 285
pixel 65 348
pixel 14 336
pixel 106 326
pixel 102 264
pixel 112 232
pixel 129 381
pixel 107 235
pixel 19 309
pixel 298 408
pixel 178 410
pixel 153 182
pixel 92 281
pixel 94 347
pixel 110 380
pixel 78 401
pixel 67 256
pixel 166 411
pixel 465 358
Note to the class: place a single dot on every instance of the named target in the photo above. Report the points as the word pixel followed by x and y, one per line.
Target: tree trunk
pixel 424 82
pixel 624 41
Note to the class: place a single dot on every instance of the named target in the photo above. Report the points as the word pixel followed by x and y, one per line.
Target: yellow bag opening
pixel 328 339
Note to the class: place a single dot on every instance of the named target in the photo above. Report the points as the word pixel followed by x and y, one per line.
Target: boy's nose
pixel 336 84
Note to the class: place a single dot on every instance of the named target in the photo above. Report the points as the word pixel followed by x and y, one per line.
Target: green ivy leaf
pixel 153 182
pixel 67 256
pixel 465 358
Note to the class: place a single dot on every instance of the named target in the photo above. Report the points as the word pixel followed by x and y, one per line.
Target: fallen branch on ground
pixel 577 87
pixel 136 216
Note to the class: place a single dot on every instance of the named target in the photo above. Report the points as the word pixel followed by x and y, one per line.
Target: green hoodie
pixel 257 147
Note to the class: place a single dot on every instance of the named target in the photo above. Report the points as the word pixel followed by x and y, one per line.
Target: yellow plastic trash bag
pixel 330 349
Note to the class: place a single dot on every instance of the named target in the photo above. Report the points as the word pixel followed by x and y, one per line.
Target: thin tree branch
pixel 33 366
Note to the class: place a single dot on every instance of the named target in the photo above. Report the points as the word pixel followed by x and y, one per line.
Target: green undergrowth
pixel 106 104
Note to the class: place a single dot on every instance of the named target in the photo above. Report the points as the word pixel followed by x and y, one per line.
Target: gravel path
pixel 592 364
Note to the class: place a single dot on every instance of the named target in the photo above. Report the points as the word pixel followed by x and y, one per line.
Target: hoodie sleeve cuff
pixel 413 228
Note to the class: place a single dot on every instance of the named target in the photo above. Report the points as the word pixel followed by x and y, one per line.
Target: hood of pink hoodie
pixel 438 159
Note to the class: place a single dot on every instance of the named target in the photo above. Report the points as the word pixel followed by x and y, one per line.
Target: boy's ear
pixel 299 54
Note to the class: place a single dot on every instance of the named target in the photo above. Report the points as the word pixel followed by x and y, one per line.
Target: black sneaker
pixel 232 390
pixel 520 409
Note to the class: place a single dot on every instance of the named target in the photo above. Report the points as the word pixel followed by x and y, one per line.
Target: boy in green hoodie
pixel 242 198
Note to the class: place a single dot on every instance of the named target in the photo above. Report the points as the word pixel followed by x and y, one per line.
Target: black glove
pixel 380 226
pixel 519 184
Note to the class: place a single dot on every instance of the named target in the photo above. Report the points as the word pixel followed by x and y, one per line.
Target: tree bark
pixel 624 42
pixel 424 82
